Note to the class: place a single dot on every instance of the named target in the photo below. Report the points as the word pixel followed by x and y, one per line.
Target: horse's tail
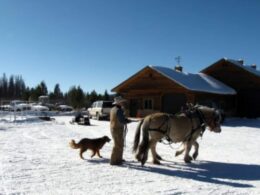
pixel 144 146
pixel 137 136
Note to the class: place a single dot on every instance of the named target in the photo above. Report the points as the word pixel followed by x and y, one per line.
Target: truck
pixel 100 109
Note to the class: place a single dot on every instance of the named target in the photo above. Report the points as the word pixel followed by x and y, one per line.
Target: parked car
pixel 64 108
pixel 100 109
pixel 39 108
pixel 18 105
pixel 5 107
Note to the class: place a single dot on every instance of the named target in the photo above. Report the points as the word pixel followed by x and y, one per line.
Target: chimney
pixel 178 68
pixel 253 66
pixel 241 61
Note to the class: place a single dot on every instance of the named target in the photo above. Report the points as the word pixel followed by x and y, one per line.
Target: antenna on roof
pixel 178 67
pixel 178 60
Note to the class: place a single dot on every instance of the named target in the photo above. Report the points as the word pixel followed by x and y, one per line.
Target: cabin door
pixel 133 107
pixel 248 103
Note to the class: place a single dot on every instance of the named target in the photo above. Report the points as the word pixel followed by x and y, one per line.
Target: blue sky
pixel 97 44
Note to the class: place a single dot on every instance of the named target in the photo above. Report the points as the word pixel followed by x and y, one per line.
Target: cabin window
pixel 148 104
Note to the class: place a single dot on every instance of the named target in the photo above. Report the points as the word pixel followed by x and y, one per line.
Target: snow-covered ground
pixel 35 158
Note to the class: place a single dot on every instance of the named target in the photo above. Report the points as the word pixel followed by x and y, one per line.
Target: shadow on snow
pixel 222 173
pixel 206 171
pixel 240 122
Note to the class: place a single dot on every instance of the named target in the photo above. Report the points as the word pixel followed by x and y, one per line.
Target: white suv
pixel 100 109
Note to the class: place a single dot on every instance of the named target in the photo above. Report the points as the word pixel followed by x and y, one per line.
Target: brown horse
pixel 185 127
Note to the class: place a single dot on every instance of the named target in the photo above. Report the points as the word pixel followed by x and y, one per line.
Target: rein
pixel 124 134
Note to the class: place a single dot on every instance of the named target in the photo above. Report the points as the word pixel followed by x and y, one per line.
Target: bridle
pixel 214 120
pixel 204 121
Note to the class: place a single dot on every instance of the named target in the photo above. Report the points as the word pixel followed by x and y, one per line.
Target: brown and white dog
pixel 92 144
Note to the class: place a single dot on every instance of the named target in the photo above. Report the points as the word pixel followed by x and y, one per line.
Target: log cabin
pixel 227 84
pixel 163 89
pixel 244 79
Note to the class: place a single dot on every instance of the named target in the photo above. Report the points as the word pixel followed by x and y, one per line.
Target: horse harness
pixel 164 132
pixel 190 114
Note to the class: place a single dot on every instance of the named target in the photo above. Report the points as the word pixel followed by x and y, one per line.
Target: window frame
pixel 148 103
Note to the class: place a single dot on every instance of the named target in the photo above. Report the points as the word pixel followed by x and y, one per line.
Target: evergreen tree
pixel 1 88
pixel 87 100
pixel 15 88
pixel 57 92
pixel 93 96
pixel 26 93
pixel 56 96
pixel 19 87
pixel 43 88
pixel 4 86
pixel 34 94
pixel 40 90
pixel 11 88
pixel 106 96
pixel 76 97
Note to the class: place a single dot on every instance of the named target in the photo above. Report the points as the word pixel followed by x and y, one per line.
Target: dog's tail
pixel 74 145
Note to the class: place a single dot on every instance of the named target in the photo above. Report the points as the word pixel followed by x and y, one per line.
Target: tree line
pixel 14 87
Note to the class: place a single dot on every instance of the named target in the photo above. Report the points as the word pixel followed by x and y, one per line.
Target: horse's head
pixel 212 117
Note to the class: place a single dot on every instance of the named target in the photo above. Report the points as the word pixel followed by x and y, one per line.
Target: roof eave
pixel 131 77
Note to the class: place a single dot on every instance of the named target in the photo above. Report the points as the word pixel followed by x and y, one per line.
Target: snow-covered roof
pixel 245 67
pixel 195 82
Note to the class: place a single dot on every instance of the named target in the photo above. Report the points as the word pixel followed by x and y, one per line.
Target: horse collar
pixel 202 124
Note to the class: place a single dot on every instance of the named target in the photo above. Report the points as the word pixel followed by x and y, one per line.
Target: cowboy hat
pixel 118 100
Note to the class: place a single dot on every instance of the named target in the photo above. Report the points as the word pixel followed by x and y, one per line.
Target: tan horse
pixel 185 127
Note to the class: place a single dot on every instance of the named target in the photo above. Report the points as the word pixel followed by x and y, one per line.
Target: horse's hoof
pixel 156 162
pixel 158 157
pixel 195 155
pixel 138 158
pixel 177 153
pixel 188 159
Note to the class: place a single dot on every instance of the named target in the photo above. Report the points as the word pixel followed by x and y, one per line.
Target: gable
pixel 234 74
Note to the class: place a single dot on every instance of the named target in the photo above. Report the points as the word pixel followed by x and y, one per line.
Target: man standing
pixel 118 123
